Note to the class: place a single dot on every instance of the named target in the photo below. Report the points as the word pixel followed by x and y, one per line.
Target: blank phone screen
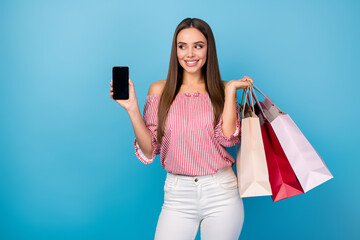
pixel 121 82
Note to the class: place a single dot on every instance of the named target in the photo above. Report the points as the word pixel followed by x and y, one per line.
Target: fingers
pixel 111 86
pixel 111 89
pixel 247 79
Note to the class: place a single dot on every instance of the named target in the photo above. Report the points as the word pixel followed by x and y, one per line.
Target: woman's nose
pixel 190 52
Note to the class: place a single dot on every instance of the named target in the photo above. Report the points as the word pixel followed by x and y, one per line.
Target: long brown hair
pixel 210 70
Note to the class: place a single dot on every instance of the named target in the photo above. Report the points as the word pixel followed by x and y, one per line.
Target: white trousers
pixel 211 202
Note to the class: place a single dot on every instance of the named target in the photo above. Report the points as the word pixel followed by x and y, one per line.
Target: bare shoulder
pixel 157 87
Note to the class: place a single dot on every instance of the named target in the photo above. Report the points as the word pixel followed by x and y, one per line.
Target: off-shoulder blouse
pixel 190 145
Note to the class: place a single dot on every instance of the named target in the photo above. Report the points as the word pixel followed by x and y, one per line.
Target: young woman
pixel 189 119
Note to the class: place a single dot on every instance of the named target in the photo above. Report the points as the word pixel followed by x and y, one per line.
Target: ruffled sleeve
pixel 235 137
pixel 150 119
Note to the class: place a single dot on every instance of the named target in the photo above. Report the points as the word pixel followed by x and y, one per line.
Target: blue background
pixel 68 168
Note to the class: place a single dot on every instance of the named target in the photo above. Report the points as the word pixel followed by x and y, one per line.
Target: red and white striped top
pixel 190 145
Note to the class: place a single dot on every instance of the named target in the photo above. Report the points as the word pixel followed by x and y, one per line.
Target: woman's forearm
pixel 142 133
pixel 229 114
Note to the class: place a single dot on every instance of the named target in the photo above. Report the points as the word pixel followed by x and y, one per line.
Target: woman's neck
pixel 193 78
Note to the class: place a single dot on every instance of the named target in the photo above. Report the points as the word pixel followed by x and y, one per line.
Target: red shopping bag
pixel 283 181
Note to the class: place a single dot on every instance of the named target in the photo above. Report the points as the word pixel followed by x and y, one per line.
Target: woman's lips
pixel 191 63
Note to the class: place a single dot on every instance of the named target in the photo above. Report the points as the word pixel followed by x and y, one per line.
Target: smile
pixel 191 63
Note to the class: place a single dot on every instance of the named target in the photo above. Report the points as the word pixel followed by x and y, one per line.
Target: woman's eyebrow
pixel 194 42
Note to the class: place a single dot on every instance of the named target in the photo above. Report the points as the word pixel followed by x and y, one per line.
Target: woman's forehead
pixel 190 35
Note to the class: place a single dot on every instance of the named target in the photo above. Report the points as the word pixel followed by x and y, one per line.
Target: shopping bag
pixel 251 167
pixel 309 167
pixel 283 181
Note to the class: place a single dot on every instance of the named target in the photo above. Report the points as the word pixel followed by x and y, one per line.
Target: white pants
pixel 211 202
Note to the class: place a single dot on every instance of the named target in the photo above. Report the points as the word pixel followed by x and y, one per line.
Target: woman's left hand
pixel 239 84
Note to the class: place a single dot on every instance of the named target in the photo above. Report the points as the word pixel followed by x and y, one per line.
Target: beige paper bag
pixel 251 166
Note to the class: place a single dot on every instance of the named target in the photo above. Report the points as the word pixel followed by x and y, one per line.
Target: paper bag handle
pixel 258 102
pixel 251 104
pixel 257 89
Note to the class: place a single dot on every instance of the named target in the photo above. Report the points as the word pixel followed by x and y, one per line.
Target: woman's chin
pixel 192 70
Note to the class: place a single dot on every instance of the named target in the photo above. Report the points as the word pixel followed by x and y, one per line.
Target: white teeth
pixel 192 62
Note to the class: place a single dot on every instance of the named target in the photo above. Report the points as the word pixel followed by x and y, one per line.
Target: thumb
pixel 131 85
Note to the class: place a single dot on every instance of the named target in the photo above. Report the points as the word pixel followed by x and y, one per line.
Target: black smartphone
pixel 120 77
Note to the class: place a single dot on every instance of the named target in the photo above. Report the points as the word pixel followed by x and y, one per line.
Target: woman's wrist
pixel 134 112
pixel 230 91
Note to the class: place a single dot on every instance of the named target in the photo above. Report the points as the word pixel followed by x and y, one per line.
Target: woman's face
pixel 191 49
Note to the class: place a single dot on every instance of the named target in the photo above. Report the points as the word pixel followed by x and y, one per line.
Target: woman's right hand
pixel 129 104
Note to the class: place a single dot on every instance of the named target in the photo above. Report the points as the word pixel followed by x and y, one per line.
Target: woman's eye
pixel 181 47
pixel 198 46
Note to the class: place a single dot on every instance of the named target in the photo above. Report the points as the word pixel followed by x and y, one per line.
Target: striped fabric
pixel 190 145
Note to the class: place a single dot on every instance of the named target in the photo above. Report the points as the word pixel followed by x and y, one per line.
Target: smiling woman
pixel 189 119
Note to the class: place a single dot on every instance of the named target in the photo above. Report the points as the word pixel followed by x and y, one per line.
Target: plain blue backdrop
pixel 68 168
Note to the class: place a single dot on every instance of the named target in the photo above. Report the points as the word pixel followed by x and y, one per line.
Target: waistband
pixel 219 174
